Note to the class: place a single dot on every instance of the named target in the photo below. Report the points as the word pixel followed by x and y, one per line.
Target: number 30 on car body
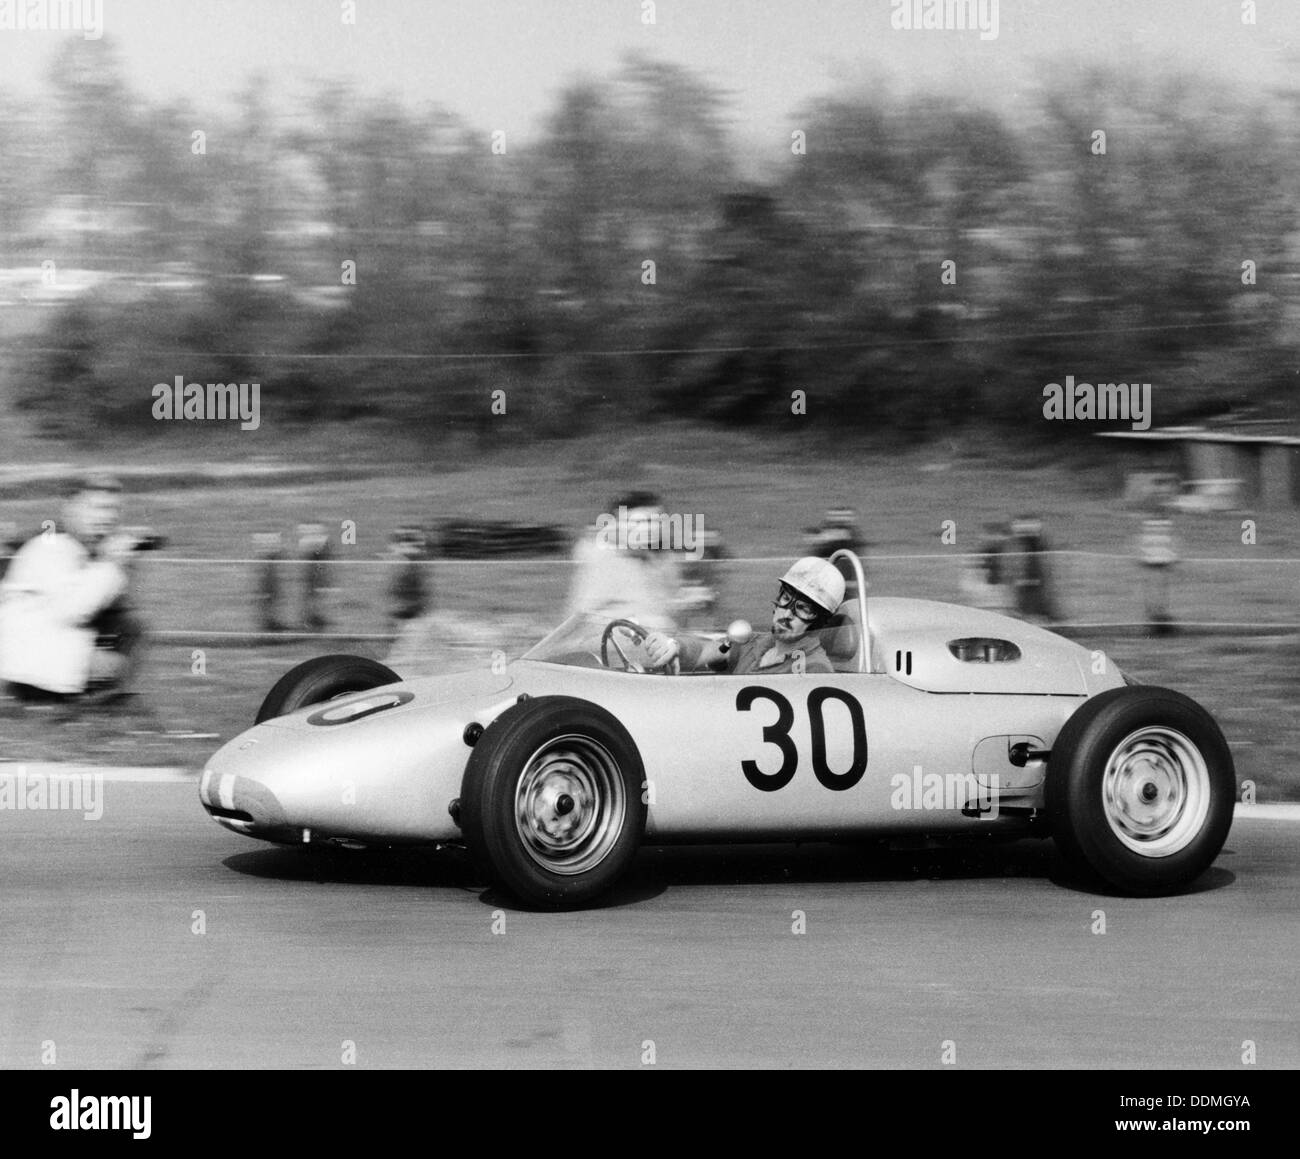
pixel 778 735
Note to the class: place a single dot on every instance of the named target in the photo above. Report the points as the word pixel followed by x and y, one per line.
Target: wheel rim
pixel 1156 791
pixel 570 804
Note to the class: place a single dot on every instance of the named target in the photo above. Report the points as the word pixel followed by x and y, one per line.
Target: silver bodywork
pixel 384 767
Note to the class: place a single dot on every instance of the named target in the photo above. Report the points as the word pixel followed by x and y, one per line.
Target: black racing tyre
pixel 322 679
pixel 551 802
pixel 1140 790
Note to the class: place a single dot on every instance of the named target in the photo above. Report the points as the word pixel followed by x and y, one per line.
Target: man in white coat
pixel 623 571
pixel 57 595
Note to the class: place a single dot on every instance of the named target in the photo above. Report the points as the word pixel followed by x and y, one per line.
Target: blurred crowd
pixel 1012 572
pixel 71 628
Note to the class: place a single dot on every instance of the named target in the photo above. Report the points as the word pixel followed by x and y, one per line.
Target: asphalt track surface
pixel 303 953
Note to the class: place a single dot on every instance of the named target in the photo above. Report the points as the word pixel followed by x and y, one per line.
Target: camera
pixel 145 538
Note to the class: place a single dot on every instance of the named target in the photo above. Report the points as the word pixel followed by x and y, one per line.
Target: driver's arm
pixel 691 652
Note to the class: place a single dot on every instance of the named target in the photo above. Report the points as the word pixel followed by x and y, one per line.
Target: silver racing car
pixel 937 721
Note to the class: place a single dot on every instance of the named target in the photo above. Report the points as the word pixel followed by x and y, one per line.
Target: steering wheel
pixel 638 635
pixel 607 638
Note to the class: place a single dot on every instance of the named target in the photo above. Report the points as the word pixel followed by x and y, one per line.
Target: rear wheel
pixel 551 803
pixel 1140 790
pixel 321 679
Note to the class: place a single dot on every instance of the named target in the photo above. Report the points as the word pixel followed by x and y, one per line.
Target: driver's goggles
pixel 806 610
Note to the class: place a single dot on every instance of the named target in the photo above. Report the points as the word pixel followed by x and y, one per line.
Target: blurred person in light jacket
pixel 66 626
pixel 625 571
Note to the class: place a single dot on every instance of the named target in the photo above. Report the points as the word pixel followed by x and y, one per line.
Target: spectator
pixel 408 589
pixel 1032 578
pixel 984 576
pixel 702 578
pixel 620 573
pixel 1157 555
pixel 428 640
pixel 838 531
pixel 66 624
pixel 268 547
pixel 314 548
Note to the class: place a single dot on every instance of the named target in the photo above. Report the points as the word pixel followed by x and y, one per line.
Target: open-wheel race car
pixel 937 721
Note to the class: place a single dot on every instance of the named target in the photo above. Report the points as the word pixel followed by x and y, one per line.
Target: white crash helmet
pixel 817 580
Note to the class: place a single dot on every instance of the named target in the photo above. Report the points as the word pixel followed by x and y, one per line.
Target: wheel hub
pixel 558 806
pixel 1156 791
pixel 569 805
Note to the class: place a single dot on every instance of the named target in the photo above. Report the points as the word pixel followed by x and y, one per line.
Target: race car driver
pixel 809 595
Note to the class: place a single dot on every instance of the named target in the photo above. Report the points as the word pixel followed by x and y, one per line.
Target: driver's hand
pixel 660 649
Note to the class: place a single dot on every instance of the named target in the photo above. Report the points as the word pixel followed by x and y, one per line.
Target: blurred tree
pixel 1139 249
pixel 171 192
pixel 903 188
pixel 629 170
pixel 753 299
pixel 527 271
pixel 91 151
pixel 23 178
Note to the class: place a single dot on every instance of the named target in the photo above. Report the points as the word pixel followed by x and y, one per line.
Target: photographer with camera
pixel 66 625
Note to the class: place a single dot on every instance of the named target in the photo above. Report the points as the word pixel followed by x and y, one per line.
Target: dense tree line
pixel 910 264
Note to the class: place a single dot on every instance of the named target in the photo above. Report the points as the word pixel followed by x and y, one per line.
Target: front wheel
pixel 321 679
pixel 1140 790
pixel 551 803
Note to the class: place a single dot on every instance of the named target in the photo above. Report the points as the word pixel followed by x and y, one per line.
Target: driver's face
pixel 786 626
